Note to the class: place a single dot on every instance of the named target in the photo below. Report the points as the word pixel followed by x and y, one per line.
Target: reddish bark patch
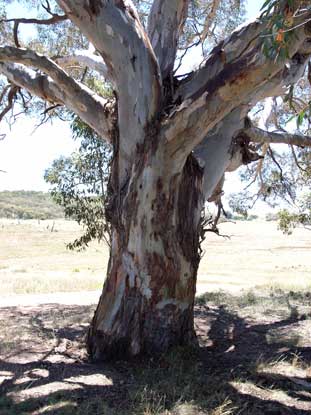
pixel 165 274
pixel 189 201
pixel 230 73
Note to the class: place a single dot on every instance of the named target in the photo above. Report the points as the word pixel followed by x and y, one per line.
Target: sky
pixel 26 152
pixel 253 8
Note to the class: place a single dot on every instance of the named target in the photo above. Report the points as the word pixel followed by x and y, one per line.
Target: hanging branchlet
pixel 54 19
pixel 210 224
pixel 10 94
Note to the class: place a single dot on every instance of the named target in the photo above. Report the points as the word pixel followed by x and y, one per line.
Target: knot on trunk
pixel 242 152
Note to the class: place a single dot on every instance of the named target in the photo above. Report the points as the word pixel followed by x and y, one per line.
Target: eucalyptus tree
pixel 173 137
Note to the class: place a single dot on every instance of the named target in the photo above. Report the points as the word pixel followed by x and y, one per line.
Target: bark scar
pixel 133 60
pixel 93 7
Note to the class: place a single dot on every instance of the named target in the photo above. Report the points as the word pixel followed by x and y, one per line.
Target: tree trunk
pixel 147 301
pixel 155 121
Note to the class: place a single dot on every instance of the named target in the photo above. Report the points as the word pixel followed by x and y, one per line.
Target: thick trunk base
pixel 140 329
pixel 147 302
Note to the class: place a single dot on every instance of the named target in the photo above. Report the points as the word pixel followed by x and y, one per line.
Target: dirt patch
pixel 254 358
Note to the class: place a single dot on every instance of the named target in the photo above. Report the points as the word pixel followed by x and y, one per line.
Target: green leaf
pixel 301 117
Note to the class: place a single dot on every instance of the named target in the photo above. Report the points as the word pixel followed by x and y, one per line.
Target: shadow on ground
pixel 254 358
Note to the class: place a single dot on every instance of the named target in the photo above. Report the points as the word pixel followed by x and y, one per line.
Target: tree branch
pixel 91 108
pixel 209 18
pixel 33 59
pixel 55 18
pixel 84 59
pixel 257 135
pixel 52 20
pixel 216 152
pixel 228 50
pixel 165 25
pixel 10 100
pixel 234 85
pixel 115 30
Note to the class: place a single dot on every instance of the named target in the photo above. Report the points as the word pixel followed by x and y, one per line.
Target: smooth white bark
pixel 116 32
pixel 258 135
pixel 166 22
pixel 91 108
pixel 214 152
pixel 84 59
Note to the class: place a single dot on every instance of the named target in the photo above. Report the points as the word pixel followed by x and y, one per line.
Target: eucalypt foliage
pixel 281 18
pixel 79 185
pixel 289 220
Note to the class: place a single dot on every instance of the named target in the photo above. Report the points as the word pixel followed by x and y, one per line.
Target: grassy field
pixel 253 327
pixel 34 259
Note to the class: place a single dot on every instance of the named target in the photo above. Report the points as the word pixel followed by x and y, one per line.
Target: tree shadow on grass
pixel 222 377
pixel 246 355
pixel 47 370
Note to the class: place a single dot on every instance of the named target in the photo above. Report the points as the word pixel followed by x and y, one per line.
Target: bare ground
pixel 254 358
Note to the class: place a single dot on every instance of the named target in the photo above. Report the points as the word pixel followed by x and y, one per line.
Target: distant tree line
pixel 28 205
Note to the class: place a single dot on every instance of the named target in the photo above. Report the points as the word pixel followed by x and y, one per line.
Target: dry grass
pixel 257 255
pixel 35 260
pixel 255 345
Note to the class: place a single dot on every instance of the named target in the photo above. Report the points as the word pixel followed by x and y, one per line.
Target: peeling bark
pixel 231 85
pixel 148 297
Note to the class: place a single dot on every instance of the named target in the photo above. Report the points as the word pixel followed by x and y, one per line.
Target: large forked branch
pixel 231 87
pixel 166 22
pixel 257 135
pixel 58 88
pixel 116 32
pixel 216 152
